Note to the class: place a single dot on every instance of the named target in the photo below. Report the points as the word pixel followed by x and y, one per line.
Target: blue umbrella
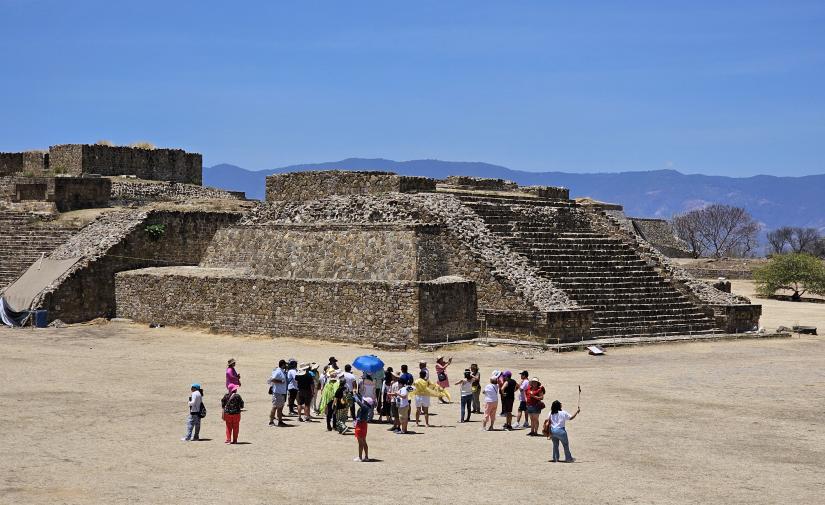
pixel 369 364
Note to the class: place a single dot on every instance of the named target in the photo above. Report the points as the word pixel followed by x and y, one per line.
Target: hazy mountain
pixel 774 201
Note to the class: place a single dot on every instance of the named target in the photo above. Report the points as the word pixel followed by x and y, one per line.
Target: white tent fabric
pixel 21 293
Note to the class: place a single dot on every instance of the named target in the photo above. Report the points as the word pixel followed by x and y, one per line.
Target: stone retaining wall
pixel 67 193
pixel 164 191
pixel 660 233
pixel 120 241
pixel 153 164
pixel 329 309
pixel 737 318
pixel 554 327
pixel 312 185
pixel 335 251
pixel 29 162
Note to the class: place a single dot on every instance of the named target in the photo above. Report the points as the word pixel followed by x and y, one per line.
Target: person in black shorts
pixel 508 396
pixel 305 389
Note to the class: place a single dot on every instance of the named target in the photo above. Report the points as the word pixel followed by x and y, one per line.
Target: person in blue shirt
pixel 405 377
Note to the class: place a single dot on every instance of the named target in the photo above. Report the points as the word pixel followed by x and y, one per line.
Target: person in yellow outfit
pixel 422 398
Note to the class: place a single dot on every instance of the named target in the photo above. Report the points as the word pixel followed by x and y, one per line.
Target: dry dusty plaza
pixel 92 414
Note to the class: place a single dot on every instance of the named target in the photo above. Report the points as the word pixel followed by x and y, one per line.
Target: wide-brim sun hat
pixel 231 362
pixel 495 375
pixel 534 379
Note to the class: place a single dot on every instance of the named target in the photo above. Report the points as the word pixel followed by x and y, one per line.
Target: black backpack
pixel 202 411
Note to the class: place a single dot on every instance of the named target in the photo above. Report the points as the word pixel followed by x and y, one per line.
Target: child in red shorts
pixel 361 423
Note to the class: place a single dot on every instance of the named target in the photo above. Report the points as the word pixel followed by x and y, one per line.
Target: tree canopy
pixel 798 272
pixel 718 230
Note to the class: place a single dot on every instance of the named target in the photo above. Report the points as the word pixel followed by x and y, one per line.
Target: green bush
pixel 155 231
pixel 798 272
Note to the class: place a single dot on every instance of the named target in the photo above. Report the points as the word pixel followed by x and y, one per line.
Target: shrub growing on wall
pixel 155 231
pixel 798 272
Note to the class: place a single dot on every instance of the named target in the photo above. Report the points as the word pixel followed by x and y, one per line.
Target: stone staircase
pixel 23 239
pixel 628 296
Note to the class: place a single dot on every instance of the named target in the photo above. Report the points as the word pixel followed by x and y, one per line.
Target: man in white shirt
pixel 522 396
pixel 350 383
pixel 403 400
pixel 193 422
pixel 292 385
pixel 278 382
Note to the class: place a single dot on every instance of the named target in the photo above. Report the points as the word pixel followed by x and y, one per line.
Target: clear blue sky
pixel 718 87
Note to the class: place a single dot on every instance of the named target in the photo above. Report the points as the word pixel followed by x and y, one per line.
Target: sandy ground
pixel 783 313
pixel 94 414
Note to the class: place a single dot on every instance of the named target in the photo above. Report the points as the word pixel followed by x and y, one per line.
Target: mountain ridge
pixel 773 200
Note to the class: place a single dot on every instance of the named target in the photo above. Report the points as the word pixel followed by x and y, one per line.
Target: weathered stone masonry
pixel 329 309
pixel 174 165
pixel 301 186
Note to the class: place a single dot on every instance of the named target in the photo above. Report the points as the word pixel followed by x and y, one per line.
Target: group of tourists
pixel 387 396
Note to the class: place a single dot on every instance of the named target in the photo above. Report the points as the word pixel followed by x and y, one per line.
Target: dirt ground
pixel 95 413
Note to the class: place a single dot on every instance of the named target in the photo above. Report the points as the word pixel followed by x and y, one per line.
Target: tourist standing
pixel 406 377
pixel 466 388
pixel 378 378
pixel 328 397
pixel 522 396
pixel 365 406
pixel 232 404
pixel 384 400
pixel 422 367
pixel 422 398
pixel 291 384
pixel 350 383
pixel 341 405
pixel 535 404
pixel 193 422
pixel 508 396
pixel 332 365
pixel 441 374
pixel 403 402
pixel 232 376
pixel 277 384
pixel 558 431
pixel 476 375
pixel 306 384
pixel 490 401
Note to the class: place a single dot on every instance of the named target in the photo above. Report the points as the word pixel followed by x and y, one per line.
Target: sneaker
pixel 525 425
pixel 195 439
pixel 571 460
pixel 282 425
pixel 184 439
pixel 272 423
pixel 227 442
pixel 359 460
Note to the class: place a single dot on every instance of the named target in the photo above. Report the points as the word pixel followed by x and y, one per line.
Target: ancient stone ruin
pixel 379 257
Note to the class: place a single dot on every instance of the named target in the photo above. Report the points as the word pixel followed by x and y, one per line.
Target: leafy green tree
pixel 798 272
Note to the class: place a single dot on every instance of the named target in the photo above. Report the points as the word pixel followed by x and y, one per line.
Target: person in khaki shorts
pixel 403 400
pixel 278 386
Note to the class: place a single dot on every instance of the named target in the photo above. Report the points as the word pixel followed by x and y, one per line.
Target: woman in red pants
pixel 232 404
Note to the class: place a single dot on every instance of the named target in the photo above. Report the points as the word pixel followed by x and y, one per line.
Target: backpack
pixel 202 411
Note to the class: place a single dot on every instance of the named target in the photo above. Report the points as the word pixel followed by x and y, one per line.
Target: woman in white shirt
pixel 558 432
pixel 491 401
pixel 466 395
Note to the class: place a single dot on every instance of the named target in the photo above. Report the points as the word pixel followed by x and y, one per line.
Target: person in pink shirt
pixel 232 376
pixel 441 373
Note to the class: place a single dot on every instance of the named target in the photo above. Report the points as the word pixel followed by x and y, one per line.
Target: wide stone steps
pixel 602 273
pixel 24 238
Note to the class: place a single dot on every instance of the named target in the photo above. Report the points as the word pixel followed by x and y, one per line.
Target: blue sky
pixel 716 87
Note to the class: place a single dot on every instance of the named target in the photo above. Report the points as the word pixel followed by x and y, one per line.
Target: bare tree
pixel 796 239
pixel 718 230
pixel 778 239
pixel 804 240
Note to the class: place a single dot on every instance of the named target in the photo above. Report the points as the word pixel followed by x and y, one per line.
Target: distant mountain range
pixel 774 201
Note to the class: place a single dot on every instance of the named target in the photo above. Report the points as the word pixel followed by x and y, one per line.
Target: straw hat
pixel 231 362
